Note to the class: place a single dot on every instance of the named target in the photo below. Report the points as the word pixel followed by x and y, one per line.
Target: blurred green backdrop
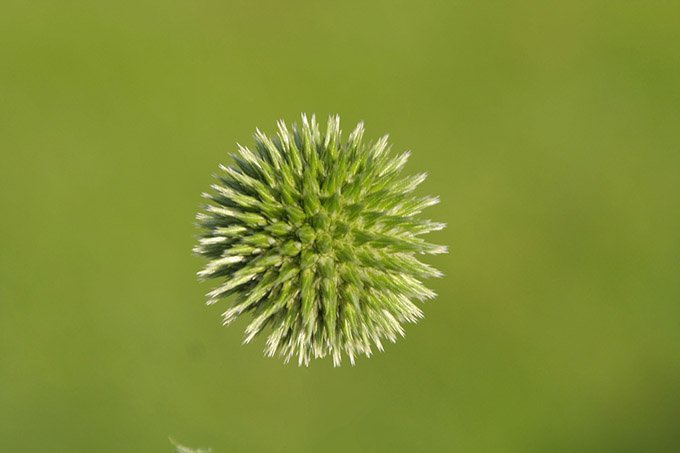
pixel 550 130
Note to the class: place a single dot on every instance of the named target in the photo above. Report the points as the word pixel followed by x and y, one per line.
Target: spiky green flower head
pixel 319 240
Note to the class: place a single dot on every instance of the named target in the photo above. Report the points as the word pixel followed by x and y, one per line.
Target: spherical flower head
pixel 318 240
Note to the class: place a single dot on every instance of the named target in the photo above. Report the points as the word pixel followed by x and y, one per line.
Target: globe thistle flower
pixel 318 239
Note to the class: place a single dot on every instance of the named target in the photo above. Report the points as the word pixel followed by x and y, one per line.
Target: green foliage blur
pixel 551 131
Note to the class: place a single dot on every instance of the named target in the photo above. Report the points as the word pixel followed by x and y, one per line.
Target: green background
pixel 550 131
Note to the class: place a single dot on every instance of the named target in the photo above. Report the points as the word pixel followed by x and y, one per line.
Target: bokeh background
pixel 550 130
